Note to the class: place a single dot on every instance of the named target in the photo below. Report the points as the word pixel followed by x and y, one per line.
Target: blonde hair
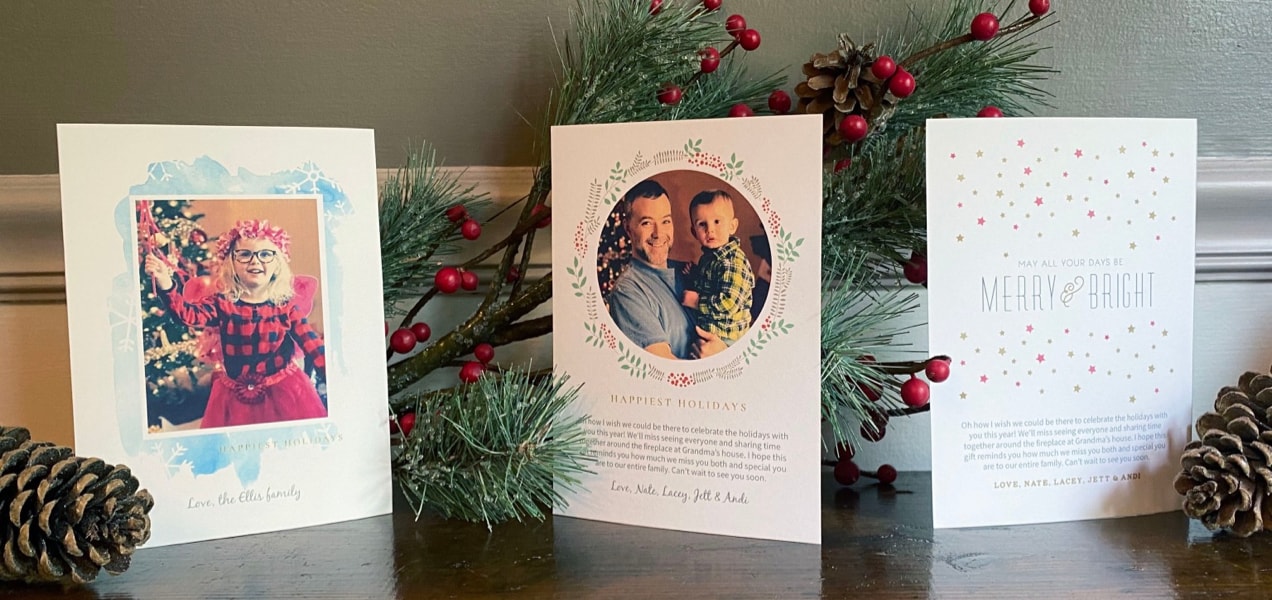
pixel 279 289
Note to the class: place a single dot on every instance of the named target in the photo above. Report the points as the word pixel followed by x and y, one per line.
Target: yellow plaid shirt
pixel 723 280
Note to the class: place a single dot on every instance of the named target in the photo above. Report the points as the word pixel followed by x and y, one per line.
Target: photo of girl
pixel 250 315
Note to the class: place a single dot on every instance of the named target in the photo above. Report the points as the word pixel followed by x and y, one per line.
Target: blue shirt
pixel 645 304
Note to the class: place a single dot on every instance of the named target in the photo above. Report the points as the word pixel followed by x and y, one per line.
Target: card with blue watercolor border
pixel 289 433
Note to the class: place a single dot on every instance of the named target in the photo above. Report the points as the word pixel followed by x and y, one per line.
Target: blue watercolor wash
pixel 204 453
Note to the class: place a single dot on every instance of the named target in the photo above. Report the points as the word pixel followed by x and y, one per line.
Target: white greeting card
pixel 686 303
pixel 224 296
pixel 1060 281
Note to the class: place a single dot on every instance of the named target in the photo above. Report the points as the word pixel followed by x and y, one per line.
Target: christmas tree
pixel 642 61
pixel 177 381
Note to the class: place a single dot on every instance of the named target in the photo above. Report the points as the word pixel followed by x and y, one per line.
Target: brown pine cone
pixel 1226 476
pixel 839 84
pixel 64 517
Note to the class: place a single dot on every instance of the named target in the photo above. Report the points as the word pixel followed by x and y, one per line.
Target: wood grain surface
pixel 878 542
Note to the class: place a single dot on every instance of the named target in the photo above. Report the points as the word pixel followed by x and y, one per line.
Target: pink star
pixel 1016 227
pixel 1029 328
pixel 1157 390
pixel 984 378
pixel 1038 201
pixel 1153 169
pixel 1064 174
pixel 1159 238
pixel 980 220
pixel 1020 143
pixel 1091 213
pixel 952 155
pixel 1106 182
pixel 1028 171
pixel 1017 384
pixel 1144 144
pixel 1091 369
pixel 1066 330
pixel 1106 337
pixel 1041 358
pixel 962 363
pixel 1152 323
pixel 1077 153
pixel 960 205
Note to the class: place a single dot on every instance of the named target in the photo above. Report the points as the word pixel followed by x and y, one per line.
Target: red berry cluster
pixel 405 339
pixel 847 472
pixel 679 379
pixel 580 239
pixel 609 336
pixel 704 159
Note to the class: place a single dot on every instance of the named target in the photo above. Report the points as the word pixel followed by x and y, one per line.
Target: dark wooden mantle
pixel 877 542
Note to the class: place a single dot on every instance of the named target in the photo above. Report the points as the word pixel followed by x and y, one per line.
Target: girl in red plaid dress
pixel 262 328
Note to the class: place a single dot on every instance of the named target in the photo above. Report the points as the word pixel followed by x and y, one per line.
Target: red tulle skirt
pixel 285 396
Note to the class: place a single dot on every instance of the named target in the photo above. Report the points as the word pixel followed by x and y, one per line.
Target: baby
pixel 719 288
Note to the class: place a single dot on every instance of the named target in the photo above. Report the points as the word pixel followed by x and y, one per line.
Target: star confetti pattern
pixel 1063 270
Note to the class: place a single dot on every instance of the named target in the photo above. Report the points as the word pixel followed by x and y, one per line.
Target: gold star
pixel 1076 233
pixel 1077 388
pixel 1022 185
pixel 960 177
pixel 1070 354
pixel 1132 399
pixel 962 336
pixel 1154 153
pixel 1004 255
pixel 960 237
pixel 1012 203
pixel 1164 333
pixel 1152 369
pixel 1129 175
pixel 1166 180
pixel 980 153
pixel 1069 197
pixel 1001 333
pixel 1130 329
pixel 963 396
pixel 1002 351
pixel 1132 245
pixel 999 193
pixel 977 350
pixel 1152 215
pixel 1121 150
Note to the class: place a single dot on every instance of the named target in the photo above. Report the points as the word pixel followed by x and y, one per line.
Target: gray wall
pixel 460 72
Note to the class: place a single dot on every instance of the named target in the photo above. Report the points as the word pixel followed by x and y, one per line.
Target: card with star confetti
pixel 1060 283
pixel 224 296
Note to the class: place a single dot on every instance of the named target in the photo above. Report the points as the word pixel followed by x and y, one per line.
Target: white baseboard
pixel 1233 219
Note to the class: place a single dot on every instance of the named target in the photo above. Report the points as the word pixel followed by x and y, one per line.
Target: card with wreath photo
pixel 686 302
pixel 224 296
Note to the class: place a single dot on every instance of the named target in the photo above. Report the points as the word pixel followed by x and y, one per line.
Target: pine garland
pixel 490 451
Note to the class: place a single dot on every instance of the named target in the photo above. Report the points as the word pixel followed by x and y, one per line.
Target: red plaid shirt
pixel 256 339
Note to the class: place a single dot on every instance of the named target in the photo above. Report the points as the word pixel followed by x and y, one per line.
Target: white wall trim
pixel 1234 220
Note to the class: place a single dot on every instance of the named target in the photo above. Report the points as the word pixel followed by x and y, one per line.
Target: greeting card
pixel 223 290
pixel 1060 256
pixel 686 303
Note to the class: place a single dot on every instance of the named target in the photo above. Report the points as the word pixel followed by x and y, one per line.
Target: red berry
pixel 844 451
pixel 984 26
pixel 749 39
pixel 471 230
pixel 468 280
pixel 471 371
pixel 655 6
pixel 915 269
pixel 484 352
pixel 712 4
pixel 990 112
pixel 421 331
pixel 847 472
pixel 854 128
pixel 842 164
pixel 886 474
pixel 447 280
pixel 540 209
pixel 779 102
pixel 735 24
pixel 710 59
pixel 937 370
pixel 457 213
pixel 670 94
pixel 872 394
pixel 741 110
pixel 402 341
pixel 873 434
pixel 1039 7
pixel 915 392
pixel 883 67
pixel 867 359
pixel 403 424
pixel 514 274
pixel 902 83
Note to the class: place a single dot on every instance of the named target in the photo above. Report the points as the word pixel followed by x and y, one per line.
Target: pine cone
pixel 840 84
pixel 63 517
pixel 1226 476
